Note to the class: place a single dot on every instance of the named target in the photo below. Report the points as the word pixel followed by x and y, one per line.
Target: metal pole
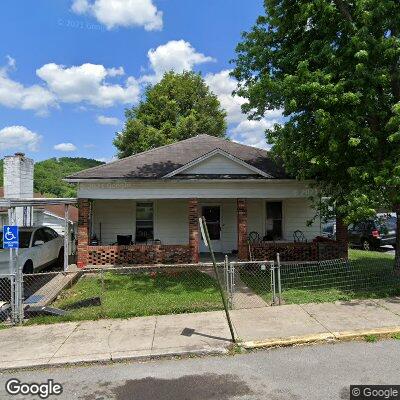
pixel 203 224
pixel 278 259
pixel 273 283
pixel 66 236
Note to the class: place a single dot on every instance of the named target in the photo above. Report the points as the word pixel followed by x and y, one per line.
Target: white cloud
pixel 176 55
pixel 106 159
pixel 15 95
pixel 222 84
pixel 86 83
pixel 126 13
pixel 115 71
pixel 243 130
pixel 67 147
pixel 11 63
pixel 19 138
pixel 252 133
pixel 103 120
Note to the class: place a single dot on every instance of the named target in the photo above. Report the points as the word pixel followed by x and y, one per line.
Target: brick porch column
pixel 83 232
pixel 242 229
pixel 194 238
pixel 342 237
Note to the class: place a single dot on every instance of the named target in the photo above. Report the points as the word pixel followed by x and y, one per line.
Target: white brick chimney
pixel 18 183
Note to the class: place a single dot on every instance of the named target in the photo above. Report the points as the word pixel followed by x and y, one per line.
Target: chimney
pixel 18 183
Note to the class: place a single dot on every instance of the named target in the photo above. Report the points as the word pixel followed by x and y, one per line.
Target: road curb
pixel 120 359
pixel 322 337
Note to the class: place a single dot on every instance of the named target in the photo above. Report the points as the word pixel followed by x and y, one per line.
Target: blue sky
pixel 69 68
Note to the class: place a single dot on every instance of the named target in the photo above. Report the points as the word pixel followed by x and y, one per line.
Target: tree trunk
pixel 342 236
pixel 397 257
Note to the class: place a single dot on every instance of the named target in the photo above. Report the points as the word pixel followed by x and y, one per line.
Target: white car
pixel 38 247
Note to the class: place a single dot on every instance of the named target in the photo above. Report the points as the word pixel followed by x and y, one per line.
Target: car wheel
pixel 28 267
pixel 60 259
pixel 366 245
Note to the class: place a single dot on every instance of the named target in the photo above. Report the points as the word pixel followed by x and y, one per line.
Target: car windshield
pixel 386 224
pixel 24 239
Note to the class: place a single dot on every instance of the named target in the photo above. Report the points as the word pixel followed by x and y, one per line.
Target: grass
pixel 371 338
pixel 368 275
pixel 396 336
pixel 134 295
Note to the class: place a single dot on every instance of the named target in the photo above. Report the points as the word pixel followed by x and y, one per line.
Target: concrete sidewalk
pixel 199 333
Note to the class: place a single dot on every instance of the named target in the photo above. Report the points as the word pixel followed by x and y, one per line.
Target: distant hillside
pixel 49 173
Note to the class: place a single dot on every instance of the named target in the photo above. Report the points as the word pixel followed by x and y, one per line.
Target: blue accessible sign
pixel 10 237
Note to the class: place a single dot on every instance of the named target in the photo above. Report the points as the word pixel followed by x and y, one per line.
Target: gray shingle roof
pixel 156 163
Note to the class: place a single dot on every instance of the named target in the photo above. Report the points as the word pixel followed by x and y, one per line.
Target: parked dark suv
pixel 373 233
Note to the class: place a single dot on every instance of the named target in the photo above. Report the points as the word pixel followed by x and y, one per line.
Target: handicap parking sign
pixel 10 237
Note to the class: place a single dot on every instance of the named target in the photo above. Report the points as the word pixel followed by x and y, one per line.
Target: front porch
pixel 145 232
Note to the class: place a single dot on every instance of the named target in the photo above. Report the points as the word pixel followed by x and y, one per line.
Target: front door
pixel 212 215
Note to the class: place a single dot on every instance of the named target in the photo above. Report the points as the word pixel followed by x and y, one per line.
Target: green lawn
pixel 367 275
pixel 132 295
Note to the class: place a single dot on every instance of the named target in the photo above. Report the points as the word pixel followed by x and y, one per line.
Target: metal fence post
pixel 231 283
pixel 272 267
pixel 226 274
pixel 278 259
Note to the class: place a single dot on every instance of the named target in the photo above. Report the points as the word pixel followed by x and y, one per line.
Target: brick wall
pixel 242 243
pixel 138 254
pixel 83 232
pixel 194 239
pixel 317 250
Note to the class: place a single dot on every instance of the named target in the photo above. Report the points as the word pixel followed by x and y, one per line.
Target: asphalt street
pixel 306 372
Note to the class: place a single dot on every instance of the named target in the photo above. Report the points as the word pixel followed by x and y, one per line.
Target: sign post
pixel 10 237
pixel 206 238
pixel 11 242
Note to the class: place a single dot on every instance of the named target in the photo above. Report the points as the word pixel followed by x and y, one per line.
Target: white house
pixel 145 208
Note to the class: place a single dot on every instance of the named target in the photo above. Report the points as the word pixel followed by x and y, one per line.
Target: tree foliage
pixel 178 107
pixel 49 174
pixel 333 68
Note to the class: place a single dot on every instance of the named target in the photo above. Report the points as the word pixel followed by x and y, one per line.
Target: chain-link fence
pixel 167 289
pixel 337 280
pixel 121 292
pixel 250 284
pixel 6 290
pixel 263 283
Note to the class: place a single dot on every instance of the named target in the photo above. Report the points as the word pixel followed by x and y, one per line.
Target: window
pixel 39 235
pixel 50 234
pixel 144 222
pixel 274 220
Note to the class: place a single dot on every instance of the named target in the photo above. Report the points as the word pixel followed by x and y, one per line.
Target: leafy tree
pixel 49 175
pixel 333 68
pixel 178 107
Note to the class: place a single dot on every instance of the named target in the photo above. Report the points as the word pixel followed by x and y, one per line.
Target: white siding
pixel 256 216
pixel 117 217
pixel 296 213
pixel 186 190
pixel 229 226
pixel 218 164
pixel 172 221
